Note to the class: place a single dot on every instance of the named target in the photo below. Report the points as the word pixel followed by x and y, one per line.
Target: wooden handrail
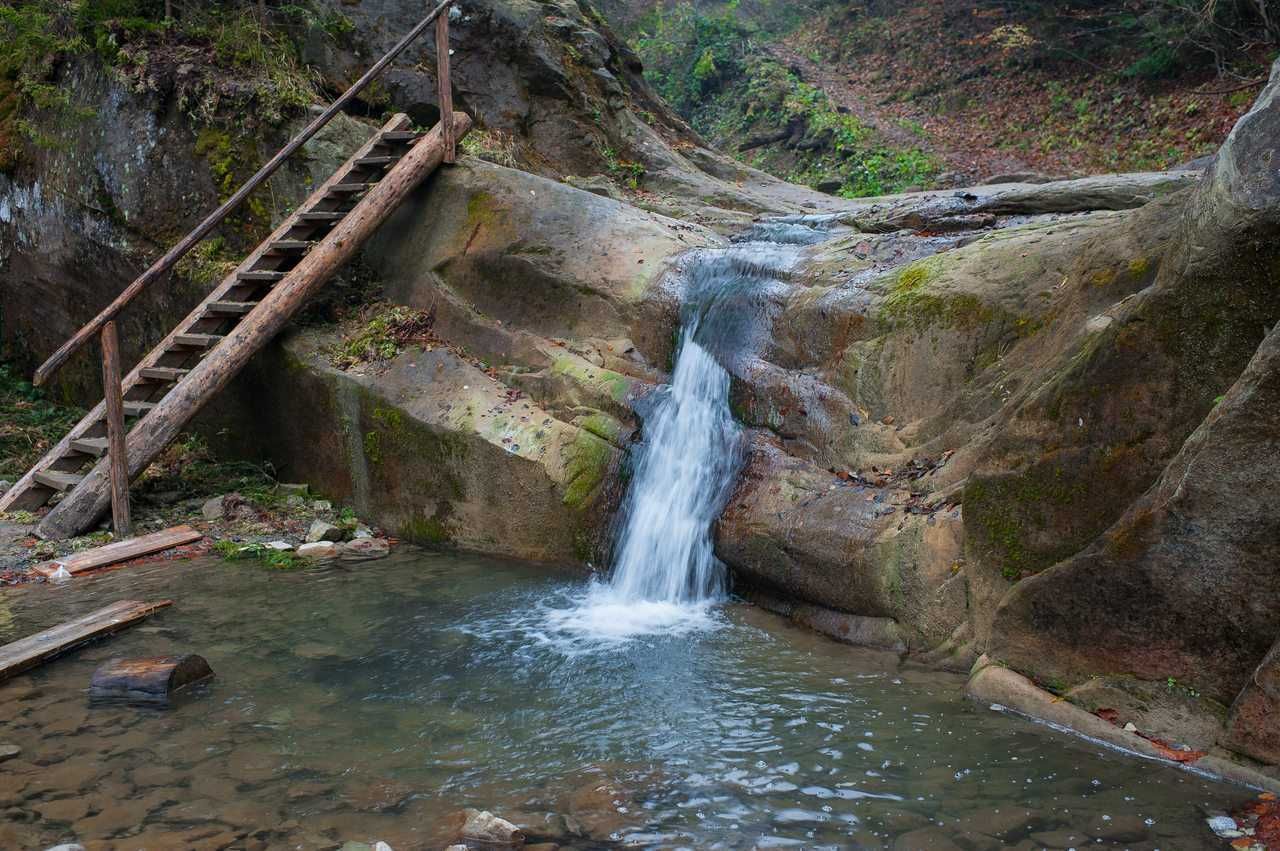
pixel 167 262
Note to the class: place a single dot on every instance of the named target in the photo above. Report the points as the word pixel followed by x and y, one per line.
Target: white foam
pixel 603 616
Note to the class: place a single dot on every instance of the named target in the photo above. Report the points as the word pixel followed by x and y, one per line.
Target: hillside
pixel 864 98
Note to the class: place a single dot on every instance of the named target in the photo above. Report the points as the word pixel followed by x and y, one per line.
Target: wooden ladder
pixel 175 380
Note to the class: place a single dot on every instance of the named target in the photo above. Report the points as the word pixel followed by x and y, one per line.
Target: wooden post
pixel 445 86
pixel 116 435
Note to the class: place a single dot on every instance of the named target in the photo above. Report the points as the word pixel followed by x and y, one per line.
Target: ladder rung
pixel 290 245
pixel 137 409
pixel 400 136
pixel 230 308
pixel 346 188
pixel 162 373
pixel 321 216
pixel 57 481
pixel 260 275
pixel 200 341
pixel 95 446
pixel 376 160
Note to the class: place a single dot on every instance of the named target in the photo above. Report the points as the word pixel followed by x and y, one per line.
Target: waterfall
pixel 666 576
pixel 685 472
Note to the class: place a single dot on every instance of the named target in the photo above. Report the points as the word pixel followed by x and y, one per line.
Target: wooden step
pixel 350 188
pixel 383 162
pixel 162 373
pixel 230 308
pixel 95 446
pixel 281 245
pixel 400 136
pixel 199 341
pixel 321 216
pixel 56 480
pixel 137 409
pixel 260 275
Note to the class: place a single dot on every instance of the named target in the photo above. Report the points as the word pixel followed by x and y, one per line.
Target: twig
pixel 1241 87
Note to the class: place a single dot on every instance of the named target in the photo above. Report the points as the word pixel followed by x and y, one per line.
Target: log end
pixel 151 681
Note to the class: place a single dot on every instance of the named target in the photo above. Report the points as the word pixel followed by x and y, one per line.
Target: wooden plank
pixel 260 275
pixel 58 481
pixel 167 262
pixel 148 439
pixel 137 409
pixel 445 87
pixel 231 308
pixel 95 446
pixel 114 397
pixel 199 341
pixel 321 216
pixel 144 545
pixel 162 373
pixel 26 653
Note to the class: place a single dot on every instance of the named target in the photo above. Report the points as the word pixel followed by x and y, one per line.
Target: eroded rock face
pixel 435 450
pixel 1184 584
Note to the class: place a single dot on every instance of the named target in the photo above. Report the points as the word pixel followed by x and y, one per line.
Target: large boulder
pixel 1184 585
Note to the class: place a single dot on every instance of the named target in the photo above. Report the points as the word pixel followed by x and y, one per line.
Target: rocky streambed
pixel 353 704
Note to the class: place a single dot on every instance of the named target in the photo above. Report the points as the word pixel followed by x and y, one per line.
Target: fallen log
pixel 132 548
pixel 26 653
pixel 149 682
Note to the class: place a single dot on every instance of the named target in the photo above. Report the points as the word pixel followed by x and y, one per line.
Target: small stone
pixel 214 509
pixel 1224 826
pixel 278 546
pixel 322 505
pixel 362 531
pixel 319 550
pixel 294 489
pixel 366 549
pixel 73 846
pixel 1130 727
pixel 295 501
pixel 8 751
pixel 322 530
pixel 483 826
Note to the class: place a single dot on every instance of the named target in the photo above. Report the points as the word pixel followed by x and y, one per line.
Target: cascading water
pixel 666 576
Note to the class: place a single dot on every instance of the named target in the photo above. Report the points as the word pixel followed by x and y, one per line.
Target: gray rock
pixel 483 826
pixel 322 530
pixel 597 184
pixel 293 489
pixel 365 549
pixel 71 846
pixel 362 531
pixel 322 506
pixel 8 751
pixel 214 509
pixel 319 550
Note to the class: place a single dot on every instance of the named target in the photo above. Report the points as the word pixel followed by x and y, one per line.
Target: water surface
pixel 372 702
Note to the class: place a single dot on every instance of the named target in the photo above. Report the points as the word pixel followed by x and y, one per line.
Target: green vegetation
pixel 29 423
pixel 495 146
pixel 708 62
pixel 132 37
pixel 262 553
pixel 189 469
pixel 380 332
